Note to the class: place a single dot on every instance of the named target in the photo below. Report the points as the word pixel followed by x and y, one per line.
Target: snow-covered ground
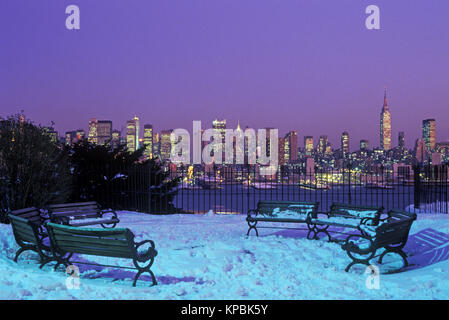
pixel 209 257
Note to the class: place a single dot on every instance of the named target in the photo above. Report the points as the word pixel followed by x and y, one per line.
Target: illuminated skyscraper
pixel 70 137
pixel 220 125
pixel 385 126
pixel 116 135
pixel 148 141
pixel 308 145
pixel 292 139
pixel 281 152
pixel 156 145
pixel 322 145
pixel 429 133
pixel 104 131
pixel 166 144
pixel 345 144
pixel 132 134
pixel 93 131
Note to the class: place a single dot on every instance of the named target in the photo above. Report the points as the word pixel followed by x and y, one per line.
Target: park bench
pixel 82 214
pixel 346 216
pixel 282 212
pixel 28 232
pixel 117 243
pixel 391 234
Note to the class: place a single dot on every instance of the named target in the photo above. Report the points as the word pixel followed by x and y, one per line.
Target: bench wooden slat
pixel 72 204
pixel 27 236
pixel 96 252
pixel 76 214
pixel 91 223
pixel 94 232
pixel 100 242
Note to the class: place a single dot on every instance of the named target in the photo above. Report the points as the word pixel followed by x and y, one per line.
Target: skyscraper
pixel 308 145
pixel 421 152
pixel 345 144
pixel 281 152
pixel 115 141
pixel 401 140
pixel 220 125
pixel 148 141
pixel 132 134
pixel 166 144
pixel 156 145
pixel 292 138
pixel 322 145
pixel 364 145
pixel 104 131
pixel 92 137
pixel 70 137
pixel 429 133
pixel 385 126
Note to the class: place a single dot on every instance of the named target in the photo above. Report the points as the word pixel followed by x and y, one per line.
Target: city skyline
pixel 313 142
pixel 304 66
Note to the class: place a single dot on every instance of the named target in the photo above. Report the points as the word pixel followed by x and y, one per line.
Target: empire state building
pixel 385 126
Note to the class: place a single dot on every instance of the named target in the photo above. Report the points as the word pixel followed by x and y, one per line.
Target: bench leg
pixel 21 250
pixel 318 230
pixel 252 226
pixel 366 263
pixel 142 270
pixel 398 251
pixel 61 260
pixel 139 273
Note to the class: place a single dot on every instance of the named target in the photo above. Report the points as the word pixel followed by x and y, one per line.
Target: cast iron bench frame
pixel 264 205
pixel 66 212
pixel 116 243
pixel 391 235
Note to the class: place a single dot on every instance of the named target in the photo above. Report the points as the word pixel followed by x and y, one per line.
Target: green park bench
pixel 27 227
pixel 391 235
pixel 82 214
pixel 282 212
pixel 117 243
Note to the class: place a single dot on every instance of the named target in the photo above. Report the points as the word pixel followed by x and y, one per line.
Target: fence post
pixel 349 183
pixel 417 186
pixel 149 187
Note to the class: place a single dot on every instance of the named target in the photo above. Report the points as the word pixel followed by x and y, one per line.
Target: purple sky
pixel 311 66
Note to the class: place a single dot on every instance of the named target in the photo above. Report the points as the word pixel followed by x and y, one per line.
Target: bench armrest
pixel 326 214
pixel 138 244
pixel 365 220
pixel 102 212
pixel 253 211
pixel 350 246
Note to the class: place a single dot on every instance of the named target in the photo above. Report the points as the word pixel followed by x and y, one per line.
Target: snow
pixel 210 257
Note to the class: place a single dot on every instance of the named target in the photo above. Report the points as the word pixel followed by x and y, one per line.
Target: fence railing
pixel 234 189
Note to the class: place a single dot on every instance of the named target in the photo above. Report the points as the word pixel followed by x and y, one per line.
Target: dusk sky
pixel 309 66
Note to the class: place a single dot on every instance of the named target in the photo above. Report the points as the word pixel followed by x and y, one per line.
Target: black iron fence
pixel 234 189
